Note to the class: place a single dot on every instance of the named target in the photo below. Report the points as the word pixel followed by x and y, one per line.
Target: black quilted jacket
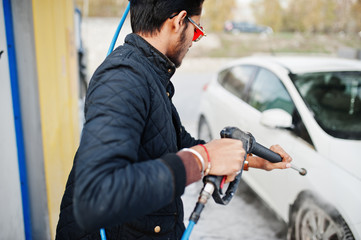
pixel 126 175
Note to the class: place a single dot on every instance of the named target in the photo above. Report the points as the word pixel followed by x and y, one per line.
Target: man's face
pixel 184 42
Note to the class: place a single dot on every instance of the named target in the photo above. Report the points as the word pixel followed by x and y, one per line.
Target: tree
pixel 269 13
pixel 310 15
pixel 327 17
pixel 102 8
pixel 216 12
pixel 355 13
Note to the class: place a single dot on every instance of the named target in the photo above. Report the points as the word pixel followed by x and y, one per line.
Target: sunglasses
pixel 198 31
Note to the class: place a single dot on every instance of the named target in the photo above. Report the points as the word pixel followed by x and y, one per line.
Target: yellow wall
pixel 58 93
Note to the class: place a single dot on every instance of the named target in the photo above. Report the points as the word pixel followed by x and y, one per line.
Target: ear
pixel 179 21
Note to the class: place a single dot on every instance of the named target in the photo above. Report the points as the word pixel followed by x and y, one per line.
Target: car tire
pixel 204 131
pixel 312 218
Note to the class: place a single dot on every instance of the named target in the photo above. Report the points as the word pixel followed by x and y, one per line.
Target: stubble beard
pixel 178 54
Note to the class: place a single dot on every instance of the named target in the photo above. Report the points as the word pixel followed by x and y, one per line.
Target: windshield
pixel 335 100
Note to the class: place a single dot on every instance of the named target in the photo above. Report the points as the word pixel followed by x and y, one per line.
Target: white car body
pixel 333 164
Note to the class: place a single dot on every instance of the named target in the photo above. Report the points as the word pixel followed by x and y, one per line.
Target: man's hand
pixel 226 156
pixel 257 162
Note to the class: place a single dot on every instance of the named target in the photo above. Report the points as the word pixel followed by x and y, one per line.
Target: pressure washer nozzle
pixel 301 171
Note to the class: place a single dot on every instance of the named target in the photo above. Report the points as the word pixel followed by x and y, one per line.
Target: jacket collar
pixel 161 63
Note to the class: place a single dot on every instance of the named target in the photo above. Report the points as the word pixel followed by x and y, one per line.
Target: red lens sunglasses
pixel 198 30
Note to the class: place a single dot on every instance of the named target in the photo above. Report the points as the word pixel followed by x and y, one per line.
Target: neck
pixel 157 42
pixel 162 40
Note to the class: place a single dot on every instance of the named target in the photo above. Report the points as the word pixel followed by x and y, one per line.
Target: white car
pixel 310 106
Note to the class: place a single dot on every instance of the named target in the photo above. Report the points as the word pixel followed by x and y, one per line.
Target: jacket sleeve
pixel 188 140
pixel 110 185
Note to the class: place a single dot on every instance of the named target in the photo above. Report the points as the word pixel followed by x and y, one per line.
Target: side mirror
pixel 276 118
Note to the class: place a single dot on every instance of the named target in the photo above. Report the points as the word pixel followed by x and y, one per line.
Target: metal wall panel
pixel 11 214
pixel 56 61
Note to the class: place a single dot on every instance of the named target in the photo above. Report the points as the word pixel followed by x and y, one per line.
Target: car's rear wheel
pixel 312 219
pixel 204 131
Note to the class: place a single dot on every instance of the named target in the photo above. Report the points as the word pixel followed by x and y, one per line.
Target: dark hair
pixel 148 16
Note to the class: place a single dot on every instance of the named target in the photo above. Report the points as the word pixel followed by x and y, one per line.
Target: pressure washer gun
pixel 213 185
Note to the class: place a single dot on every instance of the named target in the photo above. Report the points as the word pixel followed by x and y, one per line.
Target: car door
pixel 276 187
pixel 226 96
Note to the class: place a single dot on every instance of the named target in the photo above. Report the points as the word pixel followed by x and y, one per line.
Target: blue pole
pixel 9 30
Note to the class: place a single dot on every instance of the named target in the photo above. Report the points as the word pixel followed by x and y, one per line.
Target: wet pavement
pixel 245 217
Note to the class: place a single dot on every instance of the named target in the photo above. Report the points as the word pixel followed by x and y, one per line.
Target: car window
pixel 267 92
pixel 236 78
pixel 335 101
pixel 300 129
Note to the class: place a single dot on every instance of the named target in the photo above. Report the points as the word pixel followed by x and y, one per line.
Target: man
pixel 135 157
